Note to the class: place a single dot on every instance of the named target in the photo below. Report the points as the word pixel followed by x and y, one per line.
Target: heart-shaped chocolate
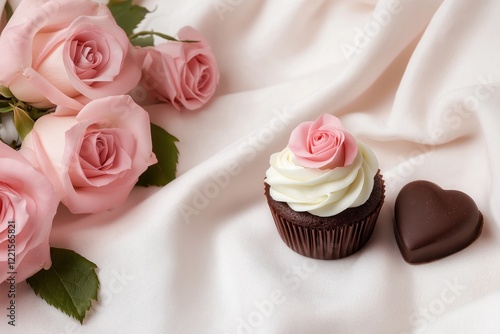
pixel 431 223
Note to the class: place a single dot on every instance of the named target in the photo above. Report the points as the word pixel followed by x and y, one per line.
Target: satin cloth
pixel 418 81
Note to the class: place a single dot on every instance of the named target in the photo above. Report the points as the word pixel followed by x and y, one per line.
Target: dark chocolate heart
pixel 431 223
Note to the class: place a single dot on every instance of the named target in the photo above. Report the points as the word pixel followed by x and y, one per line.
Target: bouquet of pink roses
pixel 74 77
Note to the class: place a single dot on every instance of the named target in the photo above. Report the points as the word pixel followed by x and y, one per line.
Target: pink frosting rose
pixel 66 52
pixel 28 206
pixel 93 159
pixel 323 143
pixel 184 74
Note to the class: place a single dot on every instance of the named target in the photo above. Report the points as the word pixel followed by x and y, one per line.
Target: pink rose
pixel 95 158
pixel 323 143
pixel 66 52
pixel 184 74
pixel 28 206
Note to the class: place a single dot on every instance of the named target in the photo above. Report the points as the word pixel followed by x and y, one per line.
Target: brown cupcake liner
pixel 328 243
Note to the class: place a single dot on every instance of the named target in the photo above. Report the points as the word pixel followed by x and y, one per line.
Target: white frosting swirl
pixel 322 192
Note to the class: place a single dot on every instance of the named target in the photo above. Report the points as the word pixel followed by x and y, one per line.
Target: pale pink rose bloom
pixel 29 203
pixel 184 74
pixel 323 143
pixel 95 158
pixel 65 53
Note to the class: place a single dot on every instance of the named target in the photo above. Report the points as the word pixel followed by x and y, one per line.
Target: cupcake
pixel 324 190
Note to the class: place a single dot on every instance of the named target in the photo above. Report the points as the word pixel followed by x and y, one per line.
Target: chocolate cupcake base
pixel 328 238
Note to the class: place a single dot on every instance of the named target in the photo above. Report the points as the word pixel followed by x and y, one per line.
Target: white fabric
pixel 202 255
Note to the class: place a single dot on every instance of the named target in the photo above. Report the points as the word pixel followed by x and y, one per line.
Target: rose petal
pixel 323 143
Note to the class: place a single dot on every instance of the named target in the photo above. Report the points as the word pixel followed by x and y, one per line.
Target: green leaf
pixel 151 33
pixel 36 113
pixel 6 109
pixel 22 121
pixel 167 154
pixel 70 284
pixel 8 11
pixel 142 41
pixel 127 15
pixel 5 92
